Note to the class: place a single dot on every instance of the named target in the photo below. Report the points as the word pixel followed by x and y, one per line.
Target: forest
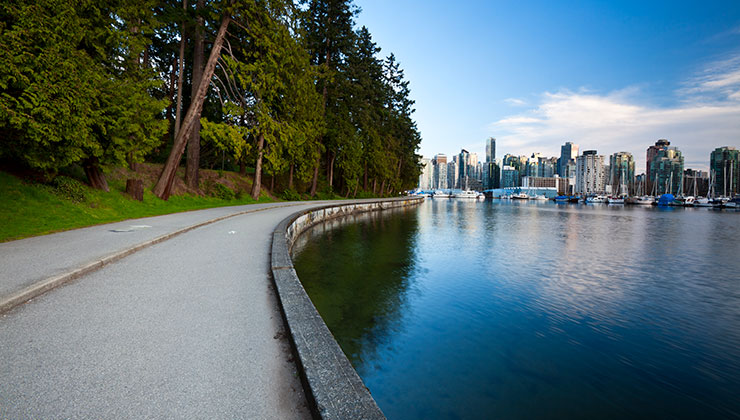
pixel 291 92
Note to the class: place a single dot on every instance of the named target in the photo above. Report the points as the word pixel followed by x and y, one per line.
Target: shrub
pixel 222 191
pixel 69 188
pixel 290 195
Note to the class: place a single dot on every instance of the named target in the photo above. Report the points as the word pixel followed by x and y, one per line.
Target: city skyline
pixel 607 76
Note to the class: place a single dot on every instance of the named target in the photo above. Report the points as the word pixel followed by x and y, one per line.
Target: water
pixel 534 310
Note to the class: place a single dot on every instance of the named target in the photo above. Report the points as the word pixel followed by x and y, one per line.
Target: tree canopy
pixel 293 90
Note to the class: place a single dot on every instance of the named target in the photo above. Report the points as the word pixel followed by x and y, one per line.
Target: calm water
pixel 535 310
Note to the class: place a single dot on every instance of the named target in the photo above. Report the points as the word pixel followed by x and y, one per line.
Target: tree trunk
pixel 332 157
pixel 135 188
pixel 290 177
pixel 94 174
pixel 364 185
pixel 355 193
pixel 180 72
pixel 272 183
pixel 164 184
pixel 193 161
pixel 382 188
pixel 375 183
pixel 242 167
pixel 171 93
pixel 315 181
pixel 256 184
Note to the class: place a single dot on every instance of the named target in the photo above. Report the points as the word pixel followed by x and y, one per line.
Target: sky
pixel 607 75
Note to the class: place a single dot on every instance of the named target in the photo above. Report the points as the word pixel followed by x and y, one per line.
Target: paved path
pixel 186 328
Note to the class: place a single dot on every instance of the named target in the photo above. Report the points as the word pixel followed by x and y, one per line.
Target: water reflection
pixel 361 299
pixel 535 310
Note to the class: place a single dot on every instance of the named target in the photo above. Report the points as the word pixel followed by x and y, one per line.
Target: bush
pixel 290 195
pixel 69 188
pixel 222 191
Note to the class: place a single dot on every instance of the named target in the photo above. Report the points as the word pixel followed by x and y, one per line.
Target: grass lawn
pixel 30 209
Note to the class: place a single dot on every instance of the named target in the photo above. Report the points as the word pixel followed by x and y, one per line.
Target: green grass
pixel 30 209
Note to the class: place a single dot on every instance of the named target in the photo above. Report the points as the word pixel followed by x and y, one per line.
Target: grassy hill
pixel 29 208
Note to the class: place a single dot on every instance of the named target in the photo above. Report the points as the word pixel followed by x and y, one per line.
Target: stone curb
pixel 43 286
pixel 332 387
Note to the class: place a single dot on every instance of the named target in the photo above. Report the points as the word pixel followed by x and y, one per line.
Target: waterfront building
pixel 559 184
pixel 439 175
pixel 463 170
pixel 453 176
pixel 490 150
pixel 666 169
pixel 724 162
pixel 547 167
pixel 425 178
pixel 621 172
pixel 491 175
pixel 590 175
pixel 567 160
pixel 509 177
pixel 652 151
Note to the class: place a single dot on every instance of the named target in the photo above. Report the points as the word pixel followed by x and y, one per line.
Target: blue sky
pixel 606 75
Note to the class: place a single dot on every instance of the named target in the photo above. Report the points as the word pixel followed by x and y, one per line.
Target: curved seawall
pixel 333 388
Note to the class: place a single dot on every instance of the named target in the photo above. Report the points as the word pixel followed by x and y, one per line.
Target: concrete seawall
pixel 332 386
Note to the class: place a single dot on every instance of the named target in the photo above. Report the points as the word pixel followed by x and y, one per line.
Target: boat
pixel 441 194
pixel 665 200
pixel 575 199
pixel 644 200
pixel 540 197
pixel 703 202
pixel 470 194
pixel 520 196
pixel 615 199
pixel 561 199
pixel 596 199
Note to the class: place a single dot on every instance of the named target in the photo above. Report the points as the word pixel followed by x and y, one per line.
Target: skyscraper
pixel 621 172
pixel 568 153
pixel 463 169
pixel 652 151
pixel 425 178
pixel 439 175
pixel 665 169
pixel 490 150
pixel 590 174
pixel 724 163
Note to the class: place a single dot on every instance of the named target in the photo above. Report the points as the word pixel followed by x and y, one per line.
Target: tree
pixel 163 188
pixel 73 88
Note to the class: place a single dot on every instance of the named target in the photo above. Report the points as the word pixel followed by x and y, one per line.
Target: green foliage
pixel 69 188
pixel 290 195
pixel 218 190
pixel 71 87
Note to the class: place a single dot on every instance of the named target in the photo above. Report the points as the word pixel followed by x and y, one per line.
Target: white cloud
pixel 515 102
pixel 708 117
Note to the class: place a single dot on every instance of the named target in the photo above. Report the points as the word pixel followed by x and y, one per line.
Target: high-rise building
pixel 490 150
pixel 724 163
pixel 665 170
pixel 590 176
pixel 568 154
pixel 621 172
pixel 439 176
pixel 453 175
pixel 425 178
pixel 509 177
pixel 547 167
pixel 463 170
pixel 652 151
pixel 491 175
